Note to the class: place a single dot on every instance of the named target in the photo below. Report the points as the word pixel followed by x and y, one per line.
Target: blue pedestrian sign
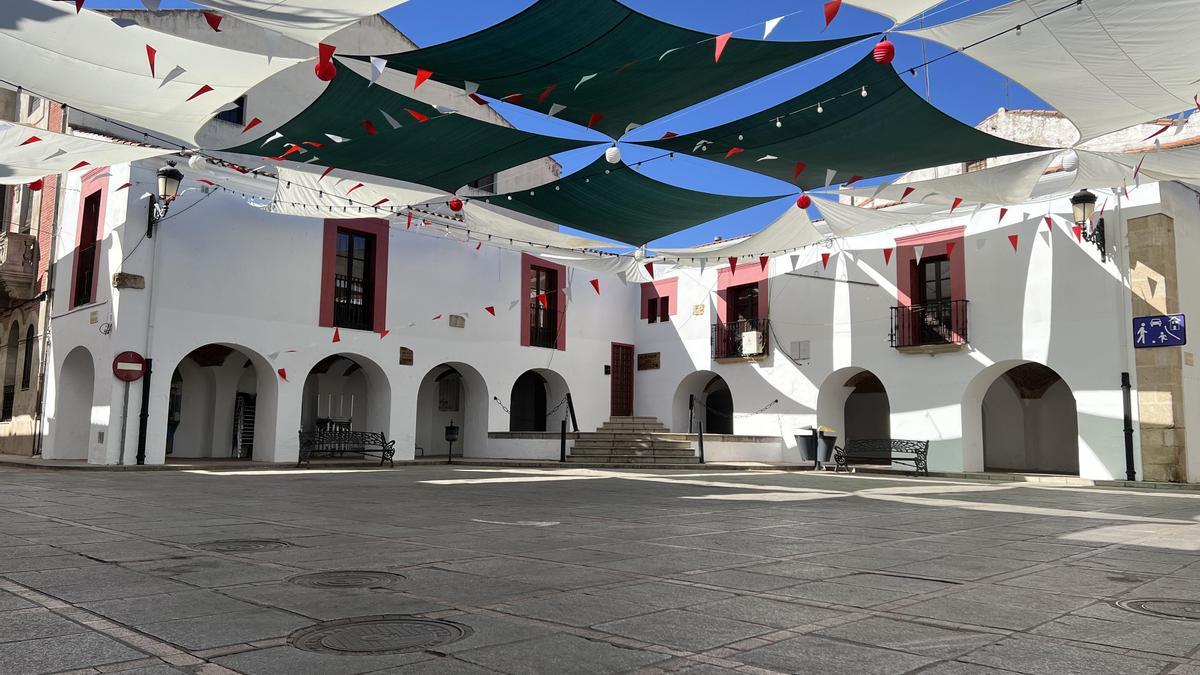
pixel 1159 331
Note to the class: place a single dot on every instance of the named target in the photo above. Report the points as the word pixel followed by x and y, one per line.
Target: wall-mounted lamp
pixel 169 179
pixel 1083 203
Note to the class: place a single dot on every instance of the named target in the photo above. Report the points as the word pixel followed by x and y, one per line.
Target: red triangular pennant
pixel 957 203
pixel 408 226
pixel 202 180
pixel 380 203
pixel 732 152
pixel 31 139
pixel 908 191
pixel 722 40
pixel 763 260
pixel 1013 239
pixel 200 92
pixel 282 374
pixel 478 245
pixel 436 317
pixel 81 165
pixel 369 126
pixel 853 180
pixel 596 285
pixel 543 301
pixel 1003 212
pixel 384 333
pixel 800 167
pixel 1077 230
pixel 124 186
pixel 490 310
pixel 151 52
pixel 825 260
pixel 325 173
pixel 546 92
pixel 950 247
pixel 479 100
pixel 351 191
pixel 416 115
pixel 887 256
pixel 310 143
pixel 337 335
pixel 78 5
pixel 251 124
pixel 669 134
pixel 831 11
pixel 650 269
pixel 422 75
pixel 1049 223
pixel 732 265
pixel 594 120
pixel 325 52
pixel 214 21
pixel 513 98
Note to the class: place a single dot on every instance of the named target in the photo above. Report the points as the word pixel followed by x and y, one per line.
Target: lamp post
pixel 169 179
pixel 1083 203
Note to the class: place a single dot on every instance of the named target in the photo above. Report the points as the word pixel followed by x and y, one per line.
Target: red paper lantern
pixel 804 201
pixel 37 185
pixel 885 52
pixel 325 70
pixel 455 204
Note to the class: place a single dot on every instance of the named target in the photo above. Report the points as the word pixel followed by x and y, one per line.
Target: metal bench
pixel 891 450
pixel 338 442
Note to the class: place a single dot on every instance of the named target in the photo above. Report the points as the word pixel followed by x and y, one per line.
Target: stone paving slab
pixel 626 571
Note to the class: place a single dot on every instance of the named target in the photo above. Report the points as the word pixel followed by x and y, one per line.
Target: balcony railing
pixel 740 339
pixel 352 303
pixel 930 324
pixel 543 326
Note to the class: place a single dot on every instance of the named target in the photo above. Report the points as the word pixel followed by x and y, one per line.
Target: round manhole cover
pixel 1188 610
pixel 242 545
pixel 387 634
pixel 347 579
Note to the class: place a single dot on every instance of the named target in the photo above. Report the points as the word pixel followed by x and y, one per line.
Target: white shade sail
pixel 341 193
pixel 1005 184
pixel 844 220
pixel 899 11
pixel 1106 65
pixel 790 231
pixel 27 154
pixel 484 220
pixel 309 21
pixel 90 62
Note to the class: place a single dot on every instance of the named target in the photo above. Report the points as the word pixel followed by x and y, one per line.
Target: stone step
pixel 617 450
pixel 634 427
pixel 632 419
pixel 597 447
pixel 631 459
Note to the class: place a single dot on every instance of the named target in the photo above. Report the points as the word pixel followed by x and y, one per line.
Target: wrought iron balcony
pixel 18 265
pixel 544 323
pixel 932 324
pixel 352 303
pixel 741 339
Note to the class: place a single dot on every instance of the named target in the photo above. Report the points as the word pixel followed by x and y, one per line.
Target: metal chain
pixel 502 406
pixel 761 410
pixel 555 408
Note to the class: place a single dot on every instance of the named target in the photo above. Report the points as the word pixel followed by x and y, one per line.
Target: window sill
pixel 933 350
pixel 741 359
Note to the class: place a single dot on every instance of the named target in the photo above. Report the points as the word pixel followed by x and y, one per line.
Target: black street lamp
pixel 1083 203
pixel 169 179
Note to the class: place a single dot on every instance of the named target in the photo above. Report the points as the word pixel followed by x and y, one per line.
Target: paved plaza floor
pixel 487 569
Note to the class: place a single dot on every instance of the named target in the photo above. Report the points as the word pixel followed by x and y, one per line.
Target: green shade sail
pixel 891 130
pixel 446 152
pixel 601 58
pixel 617 202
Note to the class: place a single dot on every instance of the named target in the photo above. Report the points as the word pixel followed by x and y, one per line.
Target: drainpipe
pixel 1124 319
pixel 153 283
pixel 48 297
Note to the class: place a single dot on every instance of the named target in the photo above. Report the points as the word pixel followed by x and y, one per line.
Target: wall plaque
pixel 651 361
pixel 406 356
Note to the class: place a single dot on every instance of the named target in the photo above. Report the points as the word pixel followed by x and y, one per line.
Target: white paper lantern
pixel 197 162
pixel 1070 161
pixel 613 155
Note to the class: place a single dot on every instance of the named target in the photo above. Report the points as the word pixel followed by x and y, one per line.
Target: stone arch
pixel 452 392
pixel 347 390
pixel 854 403
pixel 222 404
pixel 12 353
pixel 714 404
pixel 1020 416
pixel 71 420
pixel 537 401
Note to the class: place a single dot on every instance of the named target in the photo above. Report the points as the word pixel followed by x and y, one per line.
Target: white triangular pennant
pixel 829 176
pixel 336 139
pixel 174 74
pixel 271 40
pixel 1045 234
pixel 631 126
pixel 980 242
pixel 392 121
pixel 556 108
pixel 664 54
pixel 470 87
pixel 703 264
pixel 378 65
pixel 770 25
pixel 57 153
pixel 917 252
pixel 445 110
pixel 583 79
pixel 766 158
pixel 1153 286
pixel 274 137
pixel 795 261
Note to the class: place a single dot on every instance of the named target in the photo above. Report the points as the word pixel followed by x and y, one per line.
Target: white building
pixel 1018 369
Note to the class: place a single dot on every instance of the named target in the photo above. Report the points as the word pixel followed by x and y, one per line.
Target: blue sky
pixel 957 85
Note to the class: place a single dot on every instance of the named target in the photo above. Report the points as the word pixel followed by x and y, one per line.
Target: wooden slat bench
pixel 338 442
pixel 889 450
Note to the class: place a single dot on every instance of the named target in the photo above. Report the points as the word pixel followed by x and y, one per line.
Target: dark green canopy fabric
pixel 543 54
pixel 446 152
pixel 622 204
pixel 891 130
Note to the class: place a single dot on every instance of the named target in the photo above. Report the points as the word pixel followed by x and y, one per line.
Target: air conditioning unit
pixel 752 343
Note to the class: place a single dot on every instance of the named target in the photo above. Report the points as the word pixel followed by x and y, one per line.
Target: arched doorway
pixel 1027 420
pixel 345 391
pixel 11 358
pixel 854 403
pixel 713 404
pixel 72 418
pixel 452 393
pixel 214 405
pixel 538 401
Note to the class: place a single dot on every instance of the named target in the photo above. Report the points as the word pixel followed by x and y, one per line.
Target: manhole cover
pixel 242 545
pixel 387 634
pixel 347 579
pixel 1161 607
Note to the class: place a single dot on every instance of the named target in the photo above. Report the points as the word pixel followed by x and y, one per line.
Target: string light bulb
pixel 864 92
pixel 778 122
pixel 1018 29
pixel 820 109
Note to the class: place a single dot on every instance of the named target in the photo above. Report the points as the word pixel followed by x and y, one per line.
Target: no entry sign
pixel 129 366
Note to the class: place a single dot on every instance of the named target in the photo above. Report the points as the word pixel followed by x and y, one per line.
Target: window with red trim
pixel 658 300
pixel 544 317
pixel 354 274
pixel 83 290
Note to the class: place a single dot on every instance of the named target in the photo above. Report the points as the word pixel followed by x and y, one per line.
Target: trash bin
pixel 825 448
pixel 807 443
pixel 815 447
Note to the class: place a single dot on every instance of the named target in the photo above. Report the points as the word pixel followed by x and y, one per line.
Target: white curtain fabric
pixel 790 231
pixel 899 11
pixel 309 21
pixel 1106 65
pixel 305 193
pixel 92 63
pixel 844 220
pixel 23 161
pixel 1006 184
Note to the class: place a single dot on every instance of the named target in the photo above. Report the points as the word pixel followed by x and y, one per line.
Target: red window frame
pixel 559 302
pixel 376 228
pixel 93 182
pixel 664 291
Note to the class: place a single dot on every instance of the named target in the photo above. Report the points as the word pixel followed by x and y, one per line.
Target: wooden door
pixel 622 380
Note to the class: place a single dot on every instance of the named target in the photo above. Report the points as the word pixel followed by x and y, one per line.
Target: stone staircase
pixel 633 440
